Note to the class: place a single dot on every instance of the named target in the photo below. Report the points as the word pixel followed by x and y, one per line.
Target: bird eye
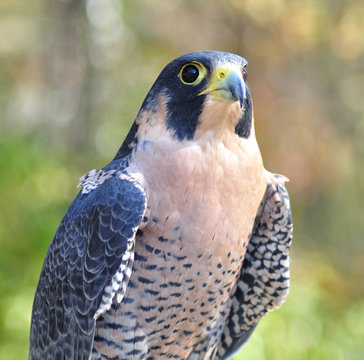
pixel 192 73
pixel 245 72
pixel 189 73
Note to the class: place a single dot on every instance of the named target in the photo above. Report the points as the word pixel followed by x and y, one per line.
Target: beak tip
pixel 237 88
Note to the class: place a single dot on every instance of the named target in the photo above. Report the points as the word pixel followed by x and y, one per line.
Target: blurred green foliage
pixel 72 76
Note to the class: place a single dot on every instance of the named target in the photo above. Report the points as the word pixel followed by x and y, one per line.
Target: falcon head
pixel 199 93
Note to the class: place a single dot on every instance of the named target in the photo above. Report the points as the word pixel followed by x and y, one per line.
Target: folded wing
pixel 264 280
pixel 88 263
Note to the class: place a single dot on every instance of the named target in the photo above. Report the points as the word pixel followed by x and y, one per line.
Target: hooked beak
pixel 227 83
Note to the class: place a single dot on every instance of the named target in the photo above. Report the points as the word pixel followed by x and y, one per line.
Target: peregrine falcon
pixel 179 246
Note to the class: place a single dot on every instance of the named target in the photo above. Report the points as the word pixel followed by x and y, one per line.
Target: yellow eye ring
pixel 192 73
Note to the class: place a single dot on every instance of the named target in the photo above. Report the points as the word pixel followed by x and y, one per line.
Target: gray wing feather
pixel 87 264
pixel 264 280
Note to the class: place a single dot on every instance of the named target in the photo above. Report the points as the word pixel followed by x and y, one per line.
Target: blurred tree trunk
pixel 69 75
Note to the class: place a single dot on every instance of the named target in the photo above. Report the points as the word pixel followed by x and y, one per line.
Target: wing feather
pixel 264 280
pixel 86 265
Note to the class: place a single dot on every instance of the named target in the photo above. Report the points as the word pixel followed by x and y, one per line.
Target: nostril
pixel 221 75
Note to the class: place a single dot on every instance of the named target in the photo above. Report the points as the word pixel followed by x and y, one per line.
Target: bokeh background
pixel 73 75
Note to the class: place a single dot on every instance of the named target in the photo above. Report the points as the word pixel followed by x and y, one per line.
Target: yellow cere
pixel 220 78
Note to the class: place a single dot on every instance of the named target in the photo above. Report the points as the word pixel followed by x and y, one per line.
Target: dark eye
pixel 192 73
pixel 189 73
pixel 245 72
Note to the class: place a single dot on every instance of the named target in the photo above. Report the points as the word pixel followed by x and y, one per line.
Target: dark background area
pixel 73 75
